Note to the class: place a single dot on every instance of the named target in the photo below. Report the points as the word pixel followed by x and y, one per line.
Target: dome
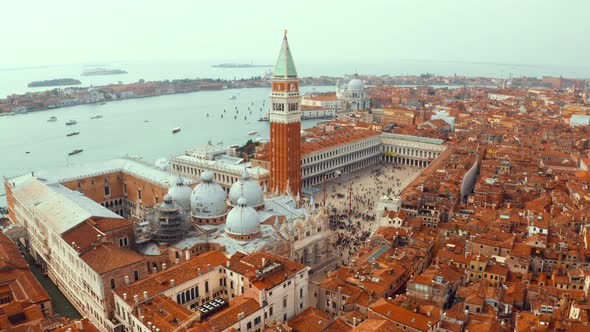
pixel 169 222
pixel 207 200
pixel 181 194
pixel 356 85
pixel 248 189
pixel 242 220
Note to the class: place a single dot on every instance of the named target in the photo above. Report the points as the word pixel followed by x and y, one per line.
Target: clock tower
pixel 285 125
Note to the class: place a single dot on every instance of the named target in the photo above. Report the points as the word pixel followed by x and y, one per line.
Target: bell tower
pixel 285 125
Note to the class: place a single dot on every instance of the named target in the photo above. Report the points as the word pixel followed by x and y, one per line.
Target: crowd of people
pixel 353 200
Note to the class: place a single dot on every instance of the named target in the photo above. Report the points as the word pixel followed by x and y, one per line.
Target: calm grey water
pixel 123 130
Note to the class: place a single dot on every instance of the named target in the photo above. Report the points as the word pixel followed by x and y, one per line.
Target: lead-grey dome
pixel 356 85
pixel 181 194
pixel 247 188
pixel 242 220
pixel 208 198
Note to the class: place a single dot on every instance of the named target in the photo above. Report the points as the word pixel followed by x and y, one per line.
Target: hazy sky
pixel 507 31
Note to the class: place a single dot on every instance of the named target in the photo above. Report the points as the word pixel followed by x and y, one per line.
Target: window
pixel 112 283
pixel 301 292
pixel 107 189
pixel 249 326
pixel 206 286
pixel 270 311
pixel 138 193
pixel 125 188
pixel 136 275
pixel 284 302
pixel 231 285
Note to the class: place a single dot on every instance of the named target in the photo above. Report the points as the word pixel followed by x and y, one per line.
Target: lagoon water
pixel 123 129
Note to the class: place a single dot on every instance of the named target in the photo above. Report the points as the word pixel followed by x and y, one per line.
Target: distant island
pixel 55 82
pixel 102 71
pixel 239 65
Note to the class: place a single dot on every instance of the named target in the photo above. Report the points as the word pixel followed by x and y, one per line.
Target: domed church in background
pixel 353 96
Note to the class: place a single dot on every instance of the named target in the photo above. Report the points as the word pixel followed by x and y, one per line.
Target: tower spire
pixel 285 66
pixel 285 125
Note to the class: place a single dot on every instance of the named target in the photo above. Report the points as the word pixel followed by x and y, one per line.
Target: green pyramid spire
pixel 285 67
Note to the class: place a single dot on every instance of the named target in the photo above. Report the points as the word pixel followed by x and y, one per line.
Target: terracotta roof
pixel 229 316
pixel 108 257
pixel 158 282
pixel 323 140
pixel 377 325
pixel 310 320
pixel 248 265
pixel 109 224
pixel 403 316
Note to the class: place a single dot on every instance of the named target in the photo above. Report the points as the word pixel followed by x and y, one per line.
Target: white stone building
pixel 353 97
pixel 83 246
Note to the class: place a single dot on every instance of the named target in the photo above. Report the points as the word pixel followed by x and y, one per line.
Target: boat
pixel 233 97
pixel 71 122
pixel 96 117
pixel 52 119
pixel 234 146
pixel 175 130
pixel 73 133
pixel 103 103
pixel 253 133
pixel 75 152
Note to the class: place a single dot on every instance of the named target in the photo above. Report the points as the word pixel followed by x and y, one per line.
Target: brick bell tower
pixel 285 125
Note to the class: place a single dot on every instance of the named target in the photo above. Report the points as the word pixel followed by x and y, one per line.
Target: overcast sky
pixel 538 32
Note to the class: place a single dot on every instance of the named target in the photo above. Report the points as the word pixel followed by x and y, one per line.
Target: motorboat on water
pixel 253 133
pixel 73 133
pixel 75 152
pixel 233 97
pixel 71 122
pixel 96 117
pixel 175 130
pixel 52 119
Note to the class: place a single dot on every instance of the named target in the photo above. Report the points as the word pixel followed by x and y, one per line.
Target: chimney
pixel 125 296
pixel 177 261
pixel 79 325
pixel 208 267
pixel 199 271
pixel 163 266
pixel 172 283
pixel 155 269
pixel 142 318
pixel 187 255
pixel 145 295
pixel 263 262
pixel 126 280
pixel 353 323
pixel 241 315
pixel 136 299
pixel 227 264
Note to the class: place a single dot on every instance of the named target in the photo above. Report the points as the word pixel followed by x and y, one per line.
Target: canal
pixel 61 305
